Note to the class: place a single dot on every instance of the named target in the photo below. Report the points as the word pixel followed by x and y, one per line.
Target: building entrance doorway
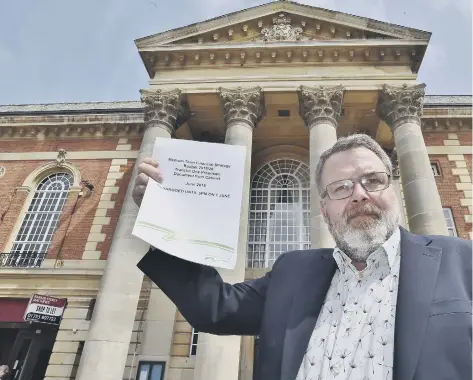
pixel 26 349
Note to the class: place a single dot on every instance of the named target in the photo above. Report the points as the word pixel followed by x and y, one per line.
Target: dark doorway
pixel 255 354
pixel 26 349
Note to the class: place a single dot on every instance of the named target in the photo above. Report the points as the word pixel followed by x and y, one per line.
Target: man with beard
pixel 384 304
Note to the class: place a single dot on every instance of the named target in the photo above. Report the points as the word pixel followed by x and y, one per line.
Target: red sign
pixel 45 309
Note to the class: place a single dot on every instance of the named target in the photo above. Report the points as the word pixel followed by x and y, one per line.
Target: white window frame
pixel 435 166
pixel 194 334
pixel 448 215
pixel 142 374
pixel 267 216
pixel 32 241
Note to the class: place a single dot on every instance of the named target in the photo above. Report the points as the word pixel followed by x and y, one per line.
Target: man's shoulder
pixel 450 242
pixel 454 249
pixel 440 241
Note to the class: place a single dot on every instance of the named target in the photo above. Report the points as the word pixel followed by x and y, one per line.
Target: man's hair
pixel 351 142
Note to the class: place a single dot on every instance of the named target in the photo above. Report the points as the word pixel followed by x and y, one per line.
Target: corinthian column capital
pixel 245 105
pixel 320 104
pixel 398 105
pixel 164 108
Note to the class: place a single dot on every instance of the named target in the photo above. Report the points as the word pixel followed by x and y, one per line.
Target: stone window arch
pixel 279 219
pixel 49 187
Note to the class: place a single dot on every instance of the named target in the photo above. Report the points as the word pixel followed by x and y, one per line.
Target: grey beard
pixel 358 243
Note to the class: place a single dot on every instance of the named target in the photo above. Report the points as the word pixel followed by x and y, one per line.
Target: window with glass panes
pixel 32 242
pixel 194 341
pixel 279 218
pixel 447 213
pixel 151 371
pixel 435 168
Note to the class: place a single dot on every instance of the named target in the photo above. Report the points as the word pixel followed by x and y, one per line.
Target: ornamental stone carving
pixel 398 105
pixel 245 105
pixel 164 108
pixel 61 157
pixel 320 104
pixel 282 30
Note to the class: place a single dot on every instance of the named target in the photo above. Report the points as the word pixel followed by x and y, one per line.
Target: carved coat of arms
pixel 282 30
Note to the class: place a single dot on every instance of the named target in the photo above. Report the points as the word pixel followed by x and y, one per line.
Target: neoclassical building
pixel 283 79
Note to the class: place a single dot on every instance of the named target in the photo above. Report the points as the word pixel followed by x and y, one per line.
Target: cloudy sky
pixel 72 51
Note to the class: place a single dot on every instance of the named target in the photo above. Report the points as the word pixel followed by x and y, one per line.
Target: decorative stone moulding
pixel 54 131
pixel 273 53
pixel 446 125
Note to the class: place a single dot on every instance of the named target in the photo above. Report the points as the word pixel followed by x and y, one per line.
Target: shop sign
pixel 45 309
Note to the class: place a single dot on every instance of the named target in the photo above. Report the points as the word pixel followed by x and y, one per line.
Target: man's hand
pixel 148 168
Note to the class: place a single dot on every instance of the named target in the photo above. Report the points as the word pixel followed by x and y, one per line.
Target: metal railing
pixel 21 259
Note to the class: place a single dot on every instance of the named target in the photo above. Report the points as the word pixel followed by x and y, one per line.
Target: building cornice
pixel 431 123
pixel 333 52
pixel 38 125
pixel 73 108
pixel 434 101
pixel 446 124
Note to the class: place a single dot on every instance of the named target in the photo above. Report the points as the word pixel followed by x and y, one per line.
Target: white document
pixel 195 213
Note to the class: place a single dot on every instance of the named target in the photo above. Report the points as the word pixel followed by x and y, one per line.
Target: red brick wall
pixel 465 138
pixel 135 143
pixel 435 139
pixel 449 194
pixel 73 229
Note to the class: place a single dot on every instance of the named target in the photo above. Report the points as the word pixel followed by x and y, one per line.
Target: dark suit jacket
pixel 433 329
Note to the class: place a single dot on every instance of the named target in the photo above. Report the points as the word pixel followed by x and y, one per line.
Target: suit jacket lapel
pixel 307 302
pixel 417 278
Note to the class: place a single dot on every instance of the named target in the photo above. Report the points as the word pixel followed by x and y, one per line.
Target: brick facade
pixel 451 193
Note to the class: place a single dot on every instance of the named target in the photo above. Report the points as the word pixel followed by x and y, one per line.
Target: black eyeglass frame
pixel 388 183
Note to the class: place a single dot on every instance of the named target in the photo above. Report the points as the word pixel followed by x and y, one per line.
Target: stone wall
pixel 181 366
pixel 64 360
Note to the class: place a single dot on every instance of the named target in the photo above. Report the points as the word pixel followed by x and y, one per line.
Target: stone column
pixel 320 108
pixel 106 349
pixel 218 357
pixel 401 109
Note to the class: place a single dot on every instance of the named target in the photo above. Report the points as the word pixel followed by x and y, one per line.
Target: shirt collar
pixel 389 248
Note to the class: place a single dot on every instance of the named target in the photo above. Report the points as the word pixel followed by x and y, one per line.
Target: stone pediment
pixel 278 22
pixel 280 27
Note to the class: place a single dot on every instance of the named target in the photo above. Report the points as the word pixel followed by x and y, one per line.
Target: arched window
pixel 279 219
pixel 32 242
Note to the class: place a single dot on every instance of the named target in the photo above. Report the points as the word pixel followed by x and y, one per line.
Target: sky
pixel 77 51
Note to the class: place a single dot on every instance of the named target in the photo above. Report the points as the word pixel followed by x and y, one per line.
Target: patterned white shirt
pixel 354 334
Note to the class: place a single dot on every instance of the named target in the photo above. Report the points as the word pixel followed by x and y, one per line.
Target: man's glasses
pixel 371 182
